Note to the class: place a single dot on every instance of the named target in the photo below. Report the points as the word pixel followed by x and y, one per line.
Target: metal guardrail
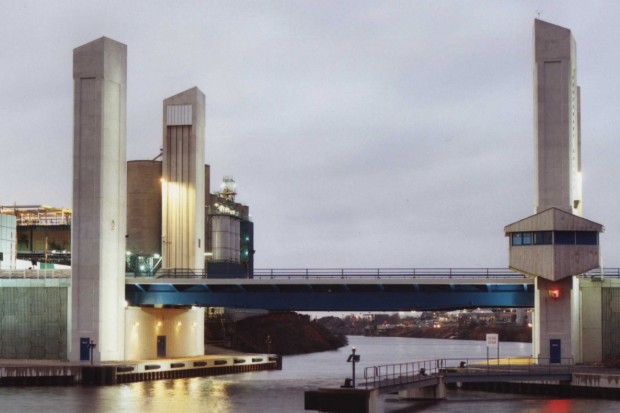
pixel 469 369
pixel 181 273
pixel 341 273
pixel 377 273
pixel 35 273
pixel 602 273
pixel 401 374
pixel 327 273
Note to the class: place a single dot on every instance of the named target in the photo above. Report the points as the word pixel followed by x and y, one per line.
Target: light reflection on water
pixel 283 391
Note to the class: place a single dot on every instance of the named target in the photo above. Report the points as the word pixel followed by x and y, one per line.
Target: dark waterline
pixel 283 391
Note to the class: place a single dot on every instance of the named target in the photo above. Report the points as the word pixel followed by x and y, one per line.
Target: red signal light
pixel 554 293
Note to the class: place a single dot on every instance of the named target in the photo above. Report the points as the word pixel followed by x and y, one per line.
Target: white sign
pixel 492 340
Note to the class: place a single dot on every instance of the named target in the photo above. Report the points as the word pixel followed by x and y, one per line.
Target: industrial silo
pixel 226 238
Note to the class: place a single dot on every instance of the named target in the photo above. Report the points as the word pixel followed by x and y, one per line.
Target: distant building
pixel 8 240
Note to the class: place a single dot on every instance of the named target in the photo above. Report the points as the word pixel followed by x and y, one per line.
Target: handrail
pixel 388 375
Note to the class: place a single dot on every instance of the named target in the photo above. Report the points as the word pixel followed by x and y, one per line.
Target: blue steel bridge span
pixel 338 289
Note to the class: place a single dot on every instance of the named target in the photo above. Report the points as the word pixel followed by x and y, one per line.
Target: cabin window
pixel 586 237
pixel 543 238
pixel 564 237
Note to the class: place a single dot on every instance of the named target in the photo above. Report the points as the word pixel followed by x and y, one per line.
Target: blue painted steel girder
pixel 340 297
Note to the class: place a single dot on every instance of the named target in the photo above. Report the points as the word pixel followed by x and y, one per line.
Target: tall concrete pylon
pixel 183 180
pixel 99 201
pixel 556 120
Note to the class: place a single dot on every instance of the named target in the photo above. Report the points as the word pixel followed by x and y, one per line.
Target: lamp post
pixel 353 358
pixel 91 347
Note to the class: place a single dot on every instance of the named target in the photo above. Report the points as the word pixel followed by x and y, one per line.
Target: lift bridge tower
pixel 556 244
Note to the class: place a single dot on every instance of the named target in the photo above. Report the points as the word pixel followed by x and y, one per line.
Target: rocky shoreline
pixel 288 333
pixel 283 333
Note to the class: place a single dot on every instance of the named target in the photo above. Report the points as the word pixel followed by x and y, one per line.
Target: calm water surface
pixel 283 391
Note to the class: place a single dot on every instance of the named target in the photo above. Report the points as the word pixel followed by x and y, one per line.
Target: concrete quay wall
pixel 33 318
pixel 602 385
pixel 29 373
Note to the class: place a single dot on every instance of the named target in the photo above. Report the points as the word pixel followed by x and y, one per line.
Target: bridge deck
pixel 350 294
pixel 385 289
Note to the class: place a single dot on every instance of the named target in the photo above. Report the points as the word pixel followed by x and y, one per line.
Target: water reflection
pixel 182 395
pixel 283 391
pixel 559 406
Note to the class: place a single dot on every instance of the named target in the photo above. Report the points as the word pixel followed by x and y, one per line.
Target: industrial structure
pixel 43 234
pixel 228 241
pixel 8 241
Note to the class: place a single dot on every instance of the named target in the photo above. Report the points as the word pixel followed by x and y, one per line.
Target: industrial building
pixel 8 241
pixel 41 235
pixel 229 232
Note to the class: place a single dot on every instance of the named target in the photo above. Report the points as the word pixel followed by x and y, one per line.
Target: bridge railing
pixel 324 273
pixel 389 375
pixel 35 273
pixel 366 273
pixel 343 273
pixel 601 273
pixel 181 273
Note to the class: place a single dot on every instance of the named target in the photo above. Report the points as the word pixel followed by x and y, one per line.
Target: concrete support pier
pixel 344 400
pixel 99 202
pixel 434 392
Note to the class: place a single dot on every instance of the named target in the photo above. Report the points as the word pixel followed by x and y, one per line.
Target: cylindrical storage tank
pixel 144 207
pixel 225 238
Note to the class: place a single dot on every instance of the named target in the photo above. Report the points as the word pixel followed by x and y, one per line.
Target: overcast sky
pixel 360 133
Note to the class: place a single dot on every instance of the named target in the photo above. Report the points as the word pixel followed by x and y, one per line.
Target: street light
pixel 353 358
pixel 91 346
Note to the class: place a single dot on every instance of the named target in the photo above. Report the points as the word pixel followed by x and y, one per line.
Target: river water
pixel 283 391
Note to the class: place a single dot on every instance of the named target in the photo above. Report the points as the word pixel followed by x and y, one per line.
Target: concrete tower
pixel 99 201
pixel 556 120
pixel 183 174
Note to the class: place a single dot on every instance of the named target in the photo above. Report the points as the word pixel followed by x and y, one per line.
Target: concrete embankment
pixel 587 382
pixel 25 373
